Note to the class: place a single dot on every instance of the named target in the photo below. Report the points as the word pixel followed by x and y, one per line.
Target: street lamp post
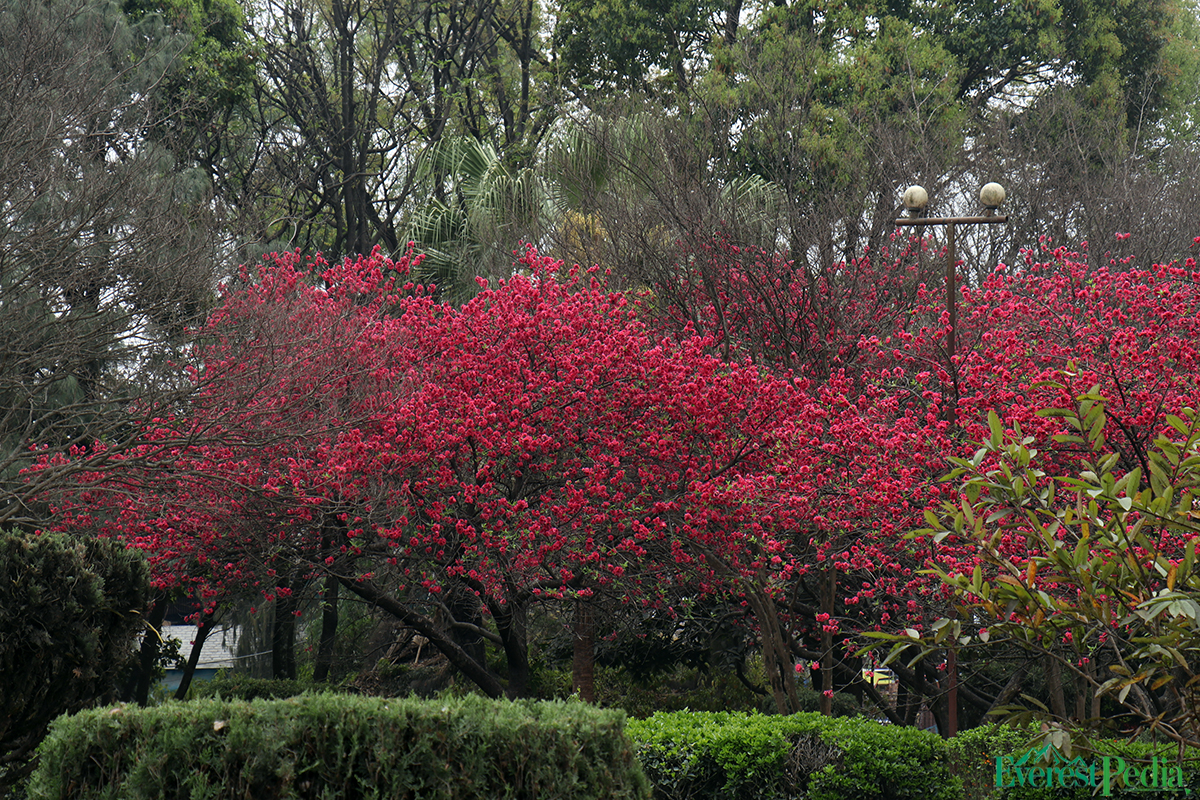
pixel 915 201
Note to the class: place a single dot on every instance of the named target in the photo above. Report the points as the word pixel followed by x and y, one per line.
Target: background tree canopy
pixel 795 124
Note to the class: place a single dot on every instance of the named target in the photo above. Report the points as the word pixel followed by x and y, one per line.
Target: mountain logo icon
pixel 1050 755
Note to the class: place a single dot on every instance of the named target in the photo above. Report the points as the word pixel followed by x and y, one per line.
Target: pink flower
pixel 828 692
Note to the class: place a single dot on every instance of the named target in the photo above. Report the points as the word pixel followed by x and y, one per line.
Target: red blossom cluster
pixel 538 441
pixel 553 438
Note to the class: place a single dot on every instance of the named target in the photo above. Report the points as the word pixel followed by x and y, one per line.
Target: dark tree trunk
pixel 1011 688
pixel 203 628
pixel 329 625
pixel 940 708
pixel 512 626
pixel 777 660
pixel 828 592
pixel 463 605
pixel 776 652
pixel 151 647
pixel 583 661
pixel 473 670
pixel 907 704
pixel 1054 686
pixel 283 637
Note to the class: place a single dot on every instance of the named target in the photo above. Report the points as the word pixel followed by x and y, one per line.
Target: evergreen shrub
pixel 244 687
pixel 737 756
pixel 331 746
pixel 70 614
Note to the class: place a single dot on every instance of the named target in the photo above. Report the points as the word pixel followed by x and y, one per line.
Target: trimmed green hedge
pixel 327 746
pixel 737 756
pixel 730 756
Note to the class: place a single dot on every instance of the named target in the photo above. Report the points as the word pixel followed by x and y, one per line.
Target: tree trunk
pixel 952 693
pixel 203 628
pixel 471 669
pixel 940 710
pixel 283 637
pixel 512 626
pixel 583 661
pixel 1054 686
pixel 1081 698
pixel 151 647
pixel 828 592
pixel 777 656
pixel 329 625
pixel 907 704
pixel 1014 685
pixel 463 605
pixel 1095 696
pixel 777 659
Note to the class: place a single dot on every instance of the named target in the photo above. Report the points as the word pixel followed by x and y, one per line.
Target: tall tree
pixel 212 76
pixel 106 249
pixel 352 92
pixel 838 106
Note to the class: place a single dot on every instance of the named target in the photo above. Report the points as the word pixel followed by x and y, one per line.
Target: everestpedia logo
pixel 1047 768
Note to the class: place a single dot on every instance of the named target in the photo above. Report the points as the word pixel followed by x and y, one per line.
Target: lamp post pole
pixel 915 201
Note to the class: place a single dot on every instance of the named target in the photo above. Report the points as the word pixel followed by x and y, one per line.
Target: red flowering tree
pixel 896 407
pixel 548 442
pixel 232 493
pixel 537 445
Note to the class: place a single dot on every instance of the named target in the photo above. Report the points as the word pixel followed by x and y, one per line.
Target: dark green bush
pixel 688 688
pixel 327 746
pixel 730 756
pixel 244 687
pixel 973 755
pixel 70 613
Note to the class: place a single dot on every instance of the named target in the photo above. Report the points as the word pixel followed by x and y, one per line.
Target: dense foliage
pixel 556 446
pixel 70 615
pixel 1093 572
pixel 333 746
pixel 726 755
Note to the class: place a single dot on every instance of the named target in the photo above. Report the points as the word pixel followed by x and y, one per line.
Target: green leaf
pixel 997 430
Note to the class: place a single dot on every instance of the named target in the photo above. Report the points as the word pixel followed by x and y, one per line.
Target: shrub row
pixel 737 756
pixel 326 746
pixel 345 746
pixel 244 687
pixel 731 756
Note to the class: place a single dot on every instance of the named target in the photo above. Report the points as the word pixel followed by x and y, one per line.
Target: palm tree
pixel 480 210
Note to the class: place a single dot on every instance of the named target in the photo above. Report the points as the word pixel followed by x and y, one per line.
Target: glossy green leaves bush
pixel 729 756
